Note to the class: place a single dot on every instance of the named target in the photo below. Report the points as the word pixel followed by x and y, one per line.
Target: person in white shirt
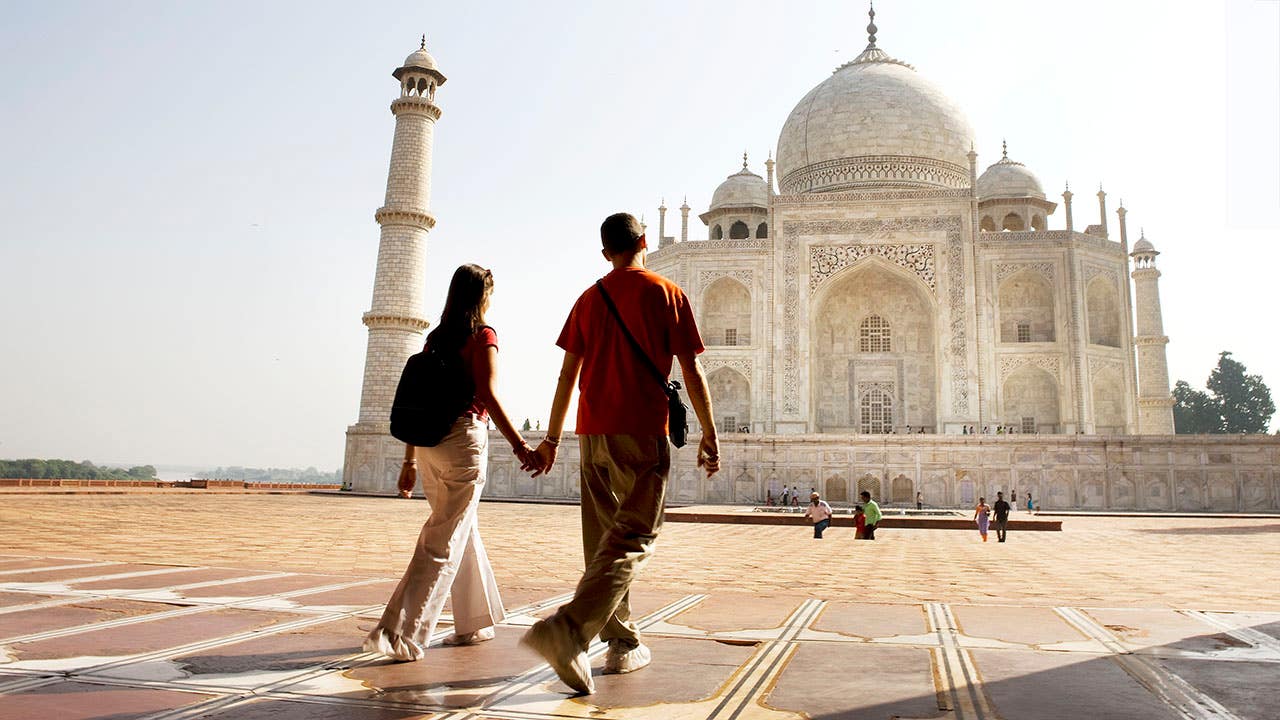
pixel 820 513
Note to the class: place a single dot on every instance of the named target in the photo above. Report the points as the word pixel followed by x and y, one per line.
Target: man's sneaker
pixel 620 660
pixel 568 660
pixel 470 638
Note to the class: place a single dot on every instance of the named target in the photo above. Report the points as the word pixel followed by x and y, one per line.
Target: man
pixel 872 510
pixel 819 512
pixel 622 437
pixel 1002 509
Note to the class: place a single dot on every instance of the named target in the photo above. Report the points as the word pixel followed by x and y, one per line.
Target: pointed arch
pixel 1026 308
pixel 1029 398
pixel 732 392
pixel 726 313
pixel 1102 303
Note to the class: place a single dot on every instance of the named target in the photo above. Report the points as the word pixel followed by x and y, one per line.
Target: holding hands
pixel 542 459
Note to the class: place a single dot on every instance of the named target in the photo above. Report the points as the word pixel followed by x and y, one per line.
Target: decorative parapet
pixel 1040 238
pixel 411 218
pixel 399 322
pixel 696 246
pixel 1151 340
pixel 414 105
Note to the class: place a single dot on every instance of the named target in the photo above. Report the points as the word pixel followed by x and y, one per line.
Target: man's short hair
pixel 621 233
pixel 865 494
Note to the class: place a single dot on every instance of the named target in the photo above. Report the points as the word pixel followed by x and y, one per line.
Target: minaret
pixel 663 240
pixel 1132 373
pixel 1102 211
pixel 1066 206
pixel 768 166
pixel 684 220
pixel 1155 404
pixel 395 318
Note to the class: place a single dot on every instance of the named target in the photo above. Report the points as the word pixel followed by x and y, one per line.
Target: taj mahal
pixel 875 305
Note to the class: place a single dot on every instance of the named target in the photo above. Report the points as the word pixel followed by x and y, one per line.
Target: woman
pixel 450 558
pixel 982 514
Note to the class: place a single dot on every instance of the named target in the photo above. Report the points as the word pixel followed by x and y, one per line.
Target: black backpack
pixel 435 389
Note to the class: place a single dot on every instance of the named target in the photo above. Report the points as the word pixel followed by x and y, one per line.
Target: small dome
pixel 743 188
pixel 1008 179
pixel 421 59
pixel 1143 246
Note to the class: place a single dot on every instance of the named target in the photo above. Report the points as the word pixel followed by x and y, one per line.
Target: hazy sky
pixel 186 204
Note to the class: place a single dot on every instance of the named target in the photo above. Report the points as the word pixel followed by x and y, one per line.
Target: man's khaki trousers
pixel 624 484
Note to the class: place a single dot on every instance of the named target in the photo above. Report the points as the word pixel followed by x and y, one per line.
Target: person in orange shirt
pixel 622 440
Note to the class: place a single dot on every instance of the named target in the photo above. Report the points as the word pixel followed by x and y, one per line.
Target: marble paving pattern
pixel 166 642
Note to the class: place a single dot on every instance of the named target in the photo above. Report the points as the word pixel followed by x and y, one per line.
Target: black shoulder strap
pixel 648 362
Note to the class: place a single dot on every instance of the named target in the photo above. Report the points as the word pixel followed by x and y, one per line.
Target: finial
pixel 1068 186
pixel 1004 145
pixel 871 26
pixel 1142 233
pixel 744 159
pixel 662 204
pixel 423 46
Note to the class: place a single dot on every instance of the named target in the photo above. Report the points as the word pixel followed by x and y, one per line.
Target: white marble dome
pixel 420 58
pixel 1008 179
pixel 743 188
pixel 874 123
pixel 1144 246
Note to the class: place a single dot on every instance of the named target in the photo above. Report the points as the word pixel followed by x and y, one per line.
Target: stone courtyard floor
pixel 172 604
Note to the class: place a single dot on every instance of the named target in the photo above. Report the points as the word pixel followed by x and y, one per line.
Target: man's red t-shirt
pixel 618 394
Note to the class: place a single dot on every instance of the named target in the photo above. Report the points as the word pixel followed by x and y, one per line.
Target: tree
pixel 1244 399
pixel 1194 412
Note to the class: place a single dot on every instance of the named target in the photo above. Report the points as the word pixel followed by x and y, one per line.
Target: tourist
pixel 859 523
pixel 1002 516
pixel 820 513
pixel 795 496
pixel 919 501
pixel 622 437
pixel 872 509
pixel 786 495
pixel 449 559
pixel 1030 506
pixel 1013 500
pixel 964 430
pixel 982 516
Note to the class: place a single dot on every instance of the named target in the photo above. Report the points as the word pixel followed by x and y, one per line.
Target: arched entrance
pixel 873 352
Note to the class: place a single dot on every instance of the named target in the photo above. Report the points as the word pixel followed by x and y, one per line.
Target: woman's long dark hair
pixel 463 309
